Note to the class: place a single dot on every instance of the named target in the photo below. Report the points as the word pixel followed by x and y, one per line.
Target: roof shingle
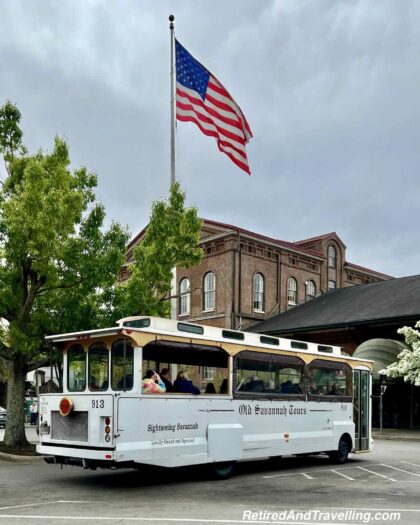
pixel 395 298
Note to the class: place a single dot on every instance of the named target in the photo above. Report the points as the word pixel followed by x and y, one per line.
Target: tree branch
pixel 39 363
pixel 30 295
pixel 62 286
pixel 178 295
pixel 5 352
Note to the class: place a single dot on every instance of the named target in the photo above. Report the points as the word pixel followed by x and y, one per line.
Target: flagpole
pixel 172 80
pixel 171 29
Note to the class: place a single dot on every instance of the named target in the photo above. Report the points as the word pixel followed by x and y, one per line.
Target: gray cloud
pixel 329 87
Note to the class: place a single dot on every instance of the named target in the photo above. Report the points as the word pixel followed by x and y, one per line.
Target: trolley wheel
pixel 340 456
pixel 223 470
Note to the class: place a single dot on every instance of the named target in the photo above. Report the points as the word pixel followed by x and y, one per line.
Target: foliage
pixel 55 259
pixel 58 267
pixel 10 132
pixel 171 240
pixel 408 364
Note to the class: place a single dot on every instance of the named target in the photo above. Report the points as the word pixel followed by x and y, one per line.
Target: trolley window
pixel 76 368
pixel 205 366
pixel 98 367
pixel 330 379
pixel 271 375
pixel 121 365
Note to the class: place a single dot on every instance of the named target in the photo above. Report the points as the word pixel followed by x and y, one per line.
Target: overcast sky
pixel 330 88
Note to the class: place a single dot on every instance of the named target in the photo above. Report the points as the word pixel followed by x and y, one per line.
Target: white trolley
pixel 267 397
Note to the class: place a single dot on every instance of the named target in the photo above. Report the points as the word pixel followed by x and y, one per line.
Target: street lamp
pixel 384 386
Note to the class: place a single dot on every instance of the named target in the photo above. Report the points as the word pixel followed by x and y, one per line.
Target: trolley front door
pixel 361 413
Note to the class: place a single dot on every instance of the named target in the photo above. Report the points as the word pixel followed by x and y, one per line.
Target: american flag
pixel 202 99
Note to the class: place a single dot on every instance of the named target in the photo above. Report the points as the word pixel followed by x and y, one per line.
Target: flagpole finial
pixel 171 20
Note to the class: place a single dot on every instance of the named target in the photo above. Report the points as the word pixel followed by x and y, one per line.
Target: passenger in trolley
pixel 152 383
pixel 166 378
pixel 183 385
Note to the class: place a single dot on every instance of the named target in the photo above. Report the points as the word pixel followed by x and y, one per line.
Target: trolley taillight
pixel 107 429
pixel 66 406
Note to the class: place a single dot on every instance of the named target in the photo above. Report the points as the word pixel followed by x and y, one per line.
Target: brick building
pixel 245 277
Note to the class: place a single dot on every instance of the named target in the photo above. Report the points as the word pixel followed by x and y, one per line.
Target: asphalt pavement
pixel 381 487
pixel 385 434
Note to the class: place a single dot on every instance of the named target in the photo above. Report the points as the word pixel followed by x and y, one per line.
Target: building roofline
pixel 292 246
pixel 136 238
pixel 278 242
pixel 364 269
pixel 317 237
pixel 340 325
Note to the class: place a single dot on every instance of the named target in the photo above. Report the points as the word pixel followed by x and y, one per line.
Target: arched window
pixel 184 296
pixel 310 289
pixel 332 256
pixel 209 298
pixel 258 292
pixel 291 291
pixel 332 285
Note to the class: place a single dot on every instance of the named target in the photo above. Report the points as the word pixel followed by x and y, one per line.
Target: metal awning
pixel 382 352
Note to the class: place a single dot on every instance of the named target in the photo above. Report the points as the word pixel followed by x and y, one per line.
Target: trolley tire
pixel 340 456
pixel 223 470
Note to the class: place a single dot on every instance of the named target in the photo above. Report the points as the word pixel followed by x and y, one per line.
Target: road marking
pixel 408 463
pixel 281 475
pixel 307 476
pixel 171 520
pixel 341 474
pixel 327 509
pixel 316 470
pixel 27 505
pixel 401 470
pixel 43 503
pixel 409 481
pixel 377 474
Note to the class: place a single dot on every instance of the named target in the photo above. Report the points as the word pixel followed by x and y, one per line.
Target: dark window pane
pixel 230 334
pixel 76 369
pixel 98 367
pixel 121 365
pixel 192 329
pixel 138 323
pixel 299 345
pixel 272 374
pixel 265 339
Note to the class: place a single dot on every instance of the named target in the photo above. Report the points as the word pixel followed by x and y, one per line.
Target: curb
pixel 395 438
pixel 20 459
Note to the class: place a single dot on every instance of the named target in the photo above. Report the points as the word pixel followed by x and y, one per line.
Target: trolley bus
pixel 267 397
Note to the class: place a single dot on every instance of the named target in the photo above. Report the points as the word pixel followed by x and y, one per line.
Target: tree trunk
pixel 15 427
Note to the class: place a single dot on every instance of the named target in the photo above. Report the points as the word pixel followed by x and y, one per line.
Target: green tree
pixel 408 364
pixel 170 240
pixel 56 262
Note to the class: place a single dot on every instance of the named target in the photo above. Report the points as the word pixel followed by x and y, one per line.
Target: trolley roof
pixel 143 329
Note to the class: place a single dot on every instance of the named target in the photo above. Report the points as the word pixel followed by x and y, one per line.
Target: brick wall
pixel 235 256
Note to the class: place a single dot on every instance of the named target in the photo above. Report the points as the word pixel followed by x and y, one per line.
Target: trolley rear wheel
pixel 223 470
pixel 340 456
